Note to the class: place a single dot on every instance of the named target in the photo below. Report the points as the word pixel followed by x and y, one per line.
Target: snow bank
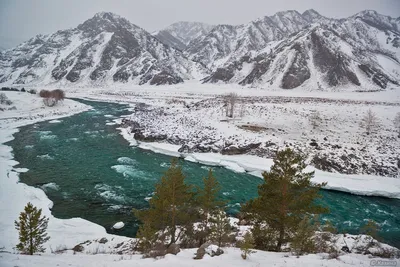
pixel 118 225
pixel 366 185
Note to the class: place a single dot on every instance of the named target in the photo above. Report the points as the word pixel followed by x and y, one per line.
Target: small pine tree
pixel 170 206
pixel 220 228
pixel 246 245
pixel 371 229
pixel 302 241
pixel 209 205
pixel 285 197
pixel 32 230
pixel 146 239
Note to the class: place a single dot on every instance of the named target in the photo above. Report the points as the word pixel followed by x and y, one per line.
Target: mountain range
pixel 287 50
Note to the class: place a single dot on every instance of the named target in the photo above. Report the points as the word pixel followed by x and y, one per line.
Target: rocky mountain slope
pixel 287 50
pixel 180 34
pixel 362 51
pixel 103 50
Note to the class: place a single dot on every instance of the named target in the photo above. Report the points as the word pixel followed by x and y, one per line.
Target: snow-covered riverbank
pixel 367 185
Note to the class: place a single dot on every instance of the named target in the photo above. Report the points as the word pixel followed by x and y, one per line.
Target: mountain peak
pixel 105 22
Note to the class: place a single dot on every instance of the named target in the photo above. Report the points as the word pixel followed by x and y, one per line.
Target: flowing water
pixel 88 170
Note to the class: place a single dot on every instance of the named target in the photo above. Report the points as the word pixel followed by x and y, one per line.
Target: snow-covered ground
pixel 65 234
pixel 230 258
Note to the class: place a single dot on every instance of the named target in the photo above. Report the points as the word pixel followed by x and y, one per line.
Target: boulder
pixel 103 240
pixel 173 249
pixel 200 253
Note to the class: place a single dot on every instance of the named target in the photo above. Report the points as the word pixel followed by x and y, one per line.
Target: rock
pixel 214 250
pixel 78 248
pixel 103 240
pixel 233 150
pixel 173 249
pixel 314 144
pixel 118 225
pixel 200 253
pixel 345 249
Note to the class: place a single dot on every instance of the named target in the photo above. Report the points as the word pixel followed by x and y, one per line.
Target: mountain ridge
pixel 286 50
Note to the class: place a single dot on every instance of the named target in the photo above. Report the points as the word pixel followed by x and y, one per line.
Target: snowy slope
pixel 180 34
pixel 354 52
pixel 103 50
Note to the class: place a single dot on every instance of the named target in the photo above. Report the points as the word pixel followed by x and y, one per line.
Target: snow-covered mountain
pixel 103 50
pixel 362 50
pixel 226 43
pixel 286 50
pixel 180 34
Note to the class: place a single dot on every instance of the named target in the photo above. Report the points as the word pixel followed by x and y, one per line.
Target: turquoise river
pixel 88 170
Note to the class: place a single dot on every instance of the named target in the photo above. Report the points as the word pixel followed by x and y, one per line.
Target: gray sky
pixel 23 19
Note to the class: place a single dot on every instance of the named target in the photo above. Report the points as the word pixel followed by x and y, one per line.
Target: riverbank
pixel 65 234
pixel 29 109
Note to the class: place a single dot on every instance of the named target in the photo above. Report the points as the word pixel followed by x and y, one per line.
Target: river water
pixel 88 170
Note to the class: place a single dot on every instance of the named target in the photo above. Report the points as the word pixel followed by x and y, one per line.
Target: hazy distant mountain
pixel 180 34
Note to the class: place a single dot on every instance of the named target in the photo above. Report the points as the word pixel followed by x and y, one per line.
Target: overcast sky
pixel 23 19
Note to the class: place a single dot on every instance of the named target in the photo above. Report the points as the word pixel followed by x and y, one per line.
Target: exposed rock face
pixel 326 55
pixel 103 50
pixel 173 249
pixel 287 50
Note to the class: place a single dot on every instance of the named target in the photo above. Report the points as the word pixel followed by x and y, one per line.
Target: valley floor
pixel 68 233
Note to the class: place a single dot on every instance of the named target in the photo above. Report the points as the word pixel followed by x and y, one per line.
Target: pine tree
pixel 302 241
pixel 284 199
pixel 171 204
pixel 220 228
pixel 371 229
pixel 32 230
pixel 208 204
pixel 246 245
pixel 147 238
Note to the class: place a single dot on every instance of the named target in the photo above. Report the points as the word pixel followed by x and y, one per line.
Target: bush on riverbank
pixel 51 98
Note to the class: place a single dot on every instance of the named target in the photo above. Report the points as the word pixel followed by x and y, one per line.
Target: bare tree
pixel 58 94
pixel 315 119
pixel 370 122
pixel 230 101
pixel 396 123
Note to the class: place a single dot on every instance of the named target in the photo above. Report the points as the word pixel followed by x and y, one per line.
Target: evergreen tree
pixel 220 228
pixel 302 241
pixel 246 245
pixel 32 230
pixel 147 238
pixel 371 229
pixel 284 199
pixel 208 204
pixel 171 204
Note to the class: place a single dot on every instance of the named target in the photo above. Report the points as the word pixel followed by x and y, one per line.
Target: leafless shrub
pixel 44 93
pixel 370 122
pixel 230 101
pixel 4 100
pixel 59 249
pixel 315 119
pixel 57 94
pixel 396 122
